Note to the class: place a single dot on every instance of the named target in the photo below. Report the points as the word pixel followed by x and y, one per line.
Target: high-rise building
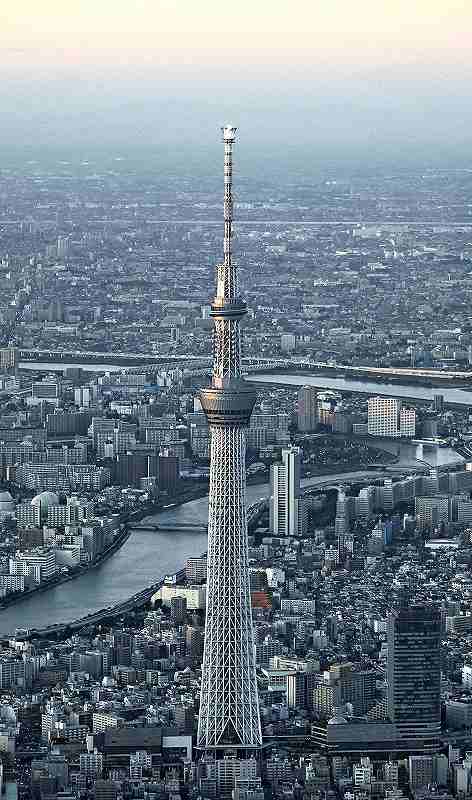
pixel 8 358
pixel 105 790
pixel 288 342
pixel 63 476
pixel 28 514
pixel 168 471
pixel 46 390
pixel 387 417
pixel 296 689
pixel 184 716
pixel 307 408
pixel 414 671
pixel 229 706
pixel 91 764
pixel 382 416
pixel 345 683
pixel 365 504
pixel 62 245
pixel 332 628
pixel 464 512
pixel 363 772
pixel 39 563
pixel 426 770
pixel 82 396
pixel 220 778
pixel 407 422
pixel 178 609
pixel 431 512
pixel 196 569
pixel 327 407
pixel 129 468
pixel 194 642
pixel 355 686
pixel 287 508
pixel 248 789
pixel 341 525
pixel 67 423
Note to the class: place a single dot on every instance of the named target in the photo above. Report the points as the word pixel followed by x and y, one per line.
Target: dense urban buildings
pixel 359 551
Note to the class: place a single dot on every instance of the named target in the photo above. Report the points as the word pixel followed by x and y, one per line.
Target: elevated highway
pixel 117 358
pixel 386 374
pixel 136 601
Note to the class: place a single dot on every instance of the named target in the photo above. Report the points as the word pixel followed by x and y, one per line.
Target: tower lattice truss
pixel 229 709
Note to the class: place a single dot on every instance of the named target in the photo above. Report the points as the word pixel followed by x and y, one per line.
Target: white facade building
pixel 302 606
pixel 467 676
pixel 40 563
pixel 288 511
pixel 387 417
pixel 194 595
pixel 363 772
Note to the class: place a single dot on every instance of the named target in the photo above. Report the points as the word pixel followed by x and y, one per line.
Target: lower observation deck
pixel 229 406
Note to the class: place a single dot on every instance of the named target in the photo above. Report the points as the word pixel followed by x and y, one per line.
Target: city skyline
pixel 236 522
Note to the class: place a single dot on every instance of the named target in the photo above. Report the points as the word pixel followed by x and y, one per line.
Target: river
pixel 146 556
pixel 452 395
pixel 60 366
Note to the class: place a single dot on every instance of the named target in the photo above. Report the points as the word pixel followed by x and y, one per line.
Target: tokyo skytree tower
pixel 229 707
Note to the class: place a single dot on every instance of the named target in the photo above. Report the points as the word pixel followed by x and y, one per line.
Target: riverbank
pixel 453 396
pixel 16 598
pixel 142 560
pixel 138 600
pixel 141 598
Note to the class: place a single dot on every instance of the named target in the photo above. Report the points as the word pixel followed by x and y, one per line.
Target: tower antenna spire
pixel 229 137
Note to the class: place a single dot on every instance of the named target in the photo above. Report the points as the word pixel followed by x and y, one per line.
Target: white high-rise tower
pixel 229 708
pixel 287 510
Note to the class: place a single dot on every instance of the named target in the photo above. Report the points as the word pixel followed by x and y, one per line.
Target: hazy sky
pixel 387 74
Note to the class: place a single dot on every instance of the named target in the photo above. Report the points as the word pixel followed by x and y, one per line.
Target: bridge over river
pixel 56 359
pixel 179 528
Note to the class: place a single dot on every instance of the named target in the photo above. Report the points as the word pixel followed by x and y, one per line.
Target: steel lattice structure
pixel 229 708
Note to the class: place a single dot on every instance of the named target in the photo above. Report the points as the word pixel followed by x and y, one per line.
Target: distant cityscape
pixel 359 499
pixel 108 261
